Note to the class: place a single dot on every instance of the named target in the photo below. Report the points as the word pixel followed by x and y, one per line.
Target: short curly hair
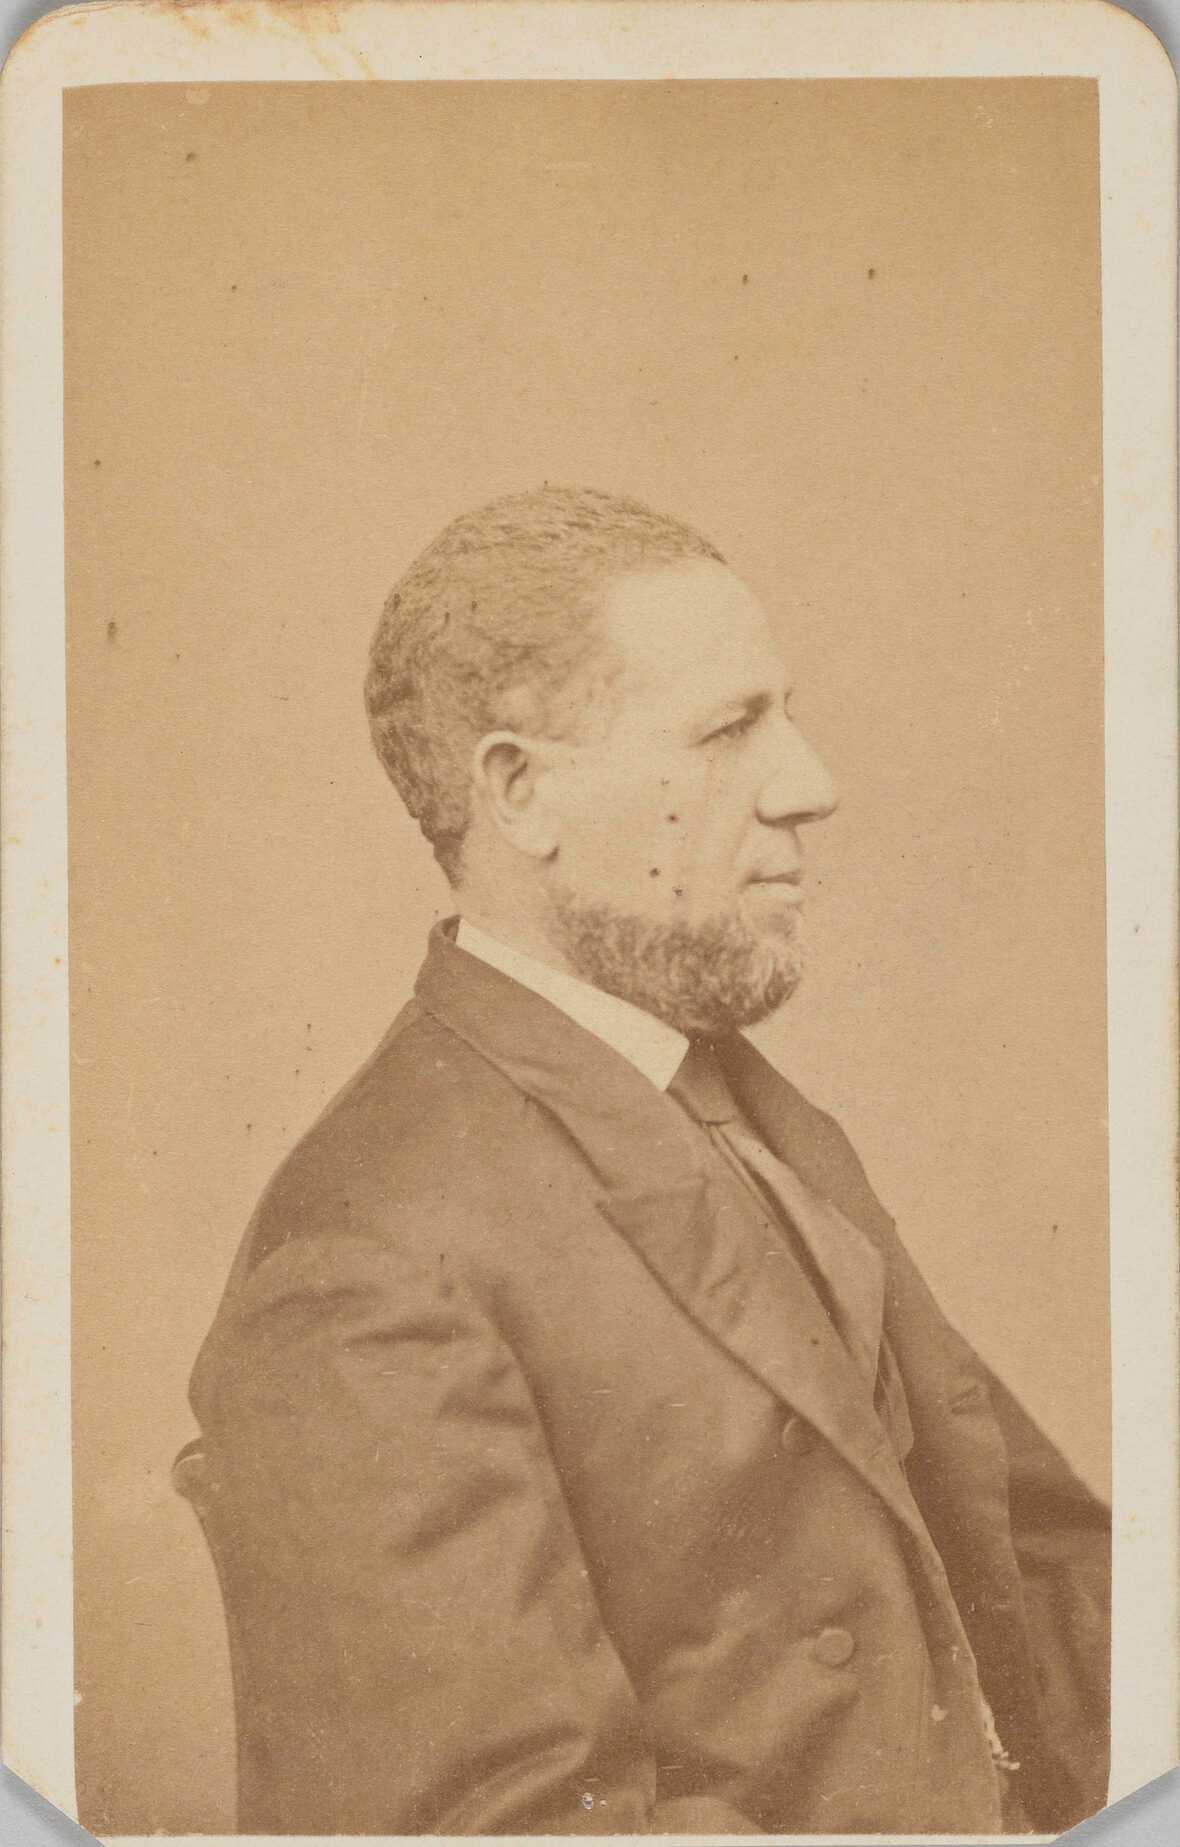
pixel 495 626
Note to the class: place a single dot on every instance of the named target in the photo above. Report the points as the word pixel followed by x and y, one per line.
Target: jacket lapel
pixel 726 1264
pixel 737 1277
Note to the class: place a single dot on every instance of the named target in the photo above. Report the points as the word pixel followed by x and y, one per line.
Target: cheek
pixel 637 832
pixel 664 838
pixel 703 847
pixel 667 836
pixel 691 836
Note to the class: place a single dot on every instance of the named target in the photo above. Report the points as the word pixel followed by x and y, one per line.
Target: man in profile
pixel 585 1453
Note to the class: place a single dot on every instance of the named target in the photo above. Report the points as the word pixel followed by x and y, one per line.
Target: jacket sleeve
pixel 417 1645
pixel 1062 1540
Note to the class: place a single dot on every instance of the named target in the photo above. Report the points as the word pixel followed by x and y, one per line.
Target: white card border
pixel 362 39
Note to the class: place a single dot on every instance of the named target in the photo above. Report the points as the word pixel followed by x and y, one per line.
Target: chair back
pixel 194 1480
pixel 190 1476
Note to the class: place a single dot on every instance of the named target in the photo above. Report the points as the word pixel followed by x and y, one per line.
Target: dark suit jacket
pixel 549 1502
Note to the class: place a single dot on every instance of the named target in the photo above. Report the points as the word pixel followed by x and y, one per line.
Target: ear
pixel 510 775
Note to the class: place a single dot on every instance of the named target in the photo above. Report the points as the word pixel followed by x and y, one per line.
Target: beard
pixel 704 979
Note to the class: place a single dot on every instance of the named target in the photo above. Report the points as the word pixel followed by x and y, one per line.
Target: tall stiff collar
pixel 653 1047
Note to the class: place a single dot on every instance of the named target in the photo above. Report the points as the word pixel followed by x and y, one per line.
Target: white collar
pixel 652 1047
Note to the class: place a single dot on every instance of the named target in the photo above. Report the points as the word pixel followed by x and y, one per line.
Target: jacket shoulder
pixel 422 1126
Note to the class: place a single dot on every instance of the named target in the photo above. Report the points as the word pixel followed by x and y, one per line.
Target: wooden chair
pixel 194 1480
pixel 190 1476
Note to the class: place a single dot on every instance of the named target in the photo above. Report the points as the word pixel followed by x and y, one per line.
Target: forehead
pixel 690 633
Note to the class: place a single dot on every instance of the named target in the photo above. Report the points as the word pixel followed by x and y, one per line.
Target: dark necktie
pixel 845 1268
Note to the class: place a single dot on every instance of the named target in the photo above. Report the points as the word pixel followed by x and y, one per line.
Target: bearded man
pixel 583 1451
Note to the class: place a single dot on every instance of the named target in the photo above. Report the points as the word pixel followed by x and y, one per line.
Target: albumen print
pixel 593 1055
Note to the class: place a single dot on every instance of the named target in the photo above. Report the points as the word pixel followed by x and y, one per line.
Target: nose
pixel 798 787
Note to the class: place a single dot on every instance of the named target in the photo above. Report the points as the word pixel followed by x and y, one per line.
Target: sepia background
pixel 850 330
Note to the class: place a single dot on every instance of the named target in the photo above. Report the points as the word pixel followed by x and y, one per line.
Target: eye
pixel 736 728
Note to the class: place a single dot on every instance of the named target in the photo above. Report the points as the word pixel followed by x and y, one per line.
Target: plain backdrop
pixel 849 329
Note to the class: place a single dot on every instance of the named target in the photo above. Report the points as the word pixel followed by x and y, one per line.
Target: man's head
pixel 586 711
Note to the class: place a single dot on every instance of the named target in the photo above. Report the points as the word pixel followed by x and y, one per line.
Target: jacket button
pixel 833 1647
pixel 793 1434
